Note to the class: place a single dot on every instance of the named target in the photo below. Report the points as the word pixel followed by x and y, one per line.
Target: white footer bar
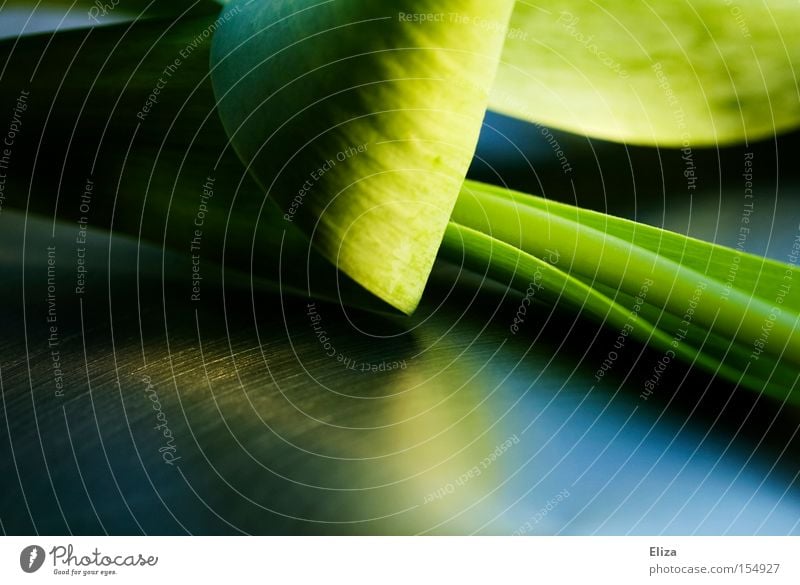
pixel 401 560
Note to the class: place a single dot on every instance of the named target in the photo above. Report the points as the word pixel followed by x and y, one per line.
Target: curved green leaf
pixel 360 120
pixel 667 72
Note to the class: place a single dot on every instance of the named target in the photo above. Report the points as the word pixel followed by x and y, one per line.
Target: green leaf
pixel 732 313
pixel 666 72
pixel 360 120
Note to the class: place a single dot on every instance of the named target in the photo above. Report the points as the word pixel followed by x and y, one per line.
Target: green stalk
pixel 619 264
pixel 746 331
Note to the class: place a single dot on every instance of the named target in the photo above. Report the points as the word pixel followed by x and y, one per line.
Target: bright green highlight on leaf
pixel 667 72
pixel 360 120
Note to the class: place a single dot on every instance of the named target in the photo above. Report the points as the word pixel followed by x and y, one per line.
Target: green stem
pixel 734 330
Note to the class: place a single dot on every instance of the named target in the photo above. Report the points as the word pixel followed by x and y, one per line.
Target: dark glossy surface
pixel 273 435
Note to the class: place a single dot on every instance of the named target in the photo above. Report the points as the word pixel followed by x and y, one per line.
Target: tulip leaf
pixel 360 119
pixel 666 72
pixel 732 313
